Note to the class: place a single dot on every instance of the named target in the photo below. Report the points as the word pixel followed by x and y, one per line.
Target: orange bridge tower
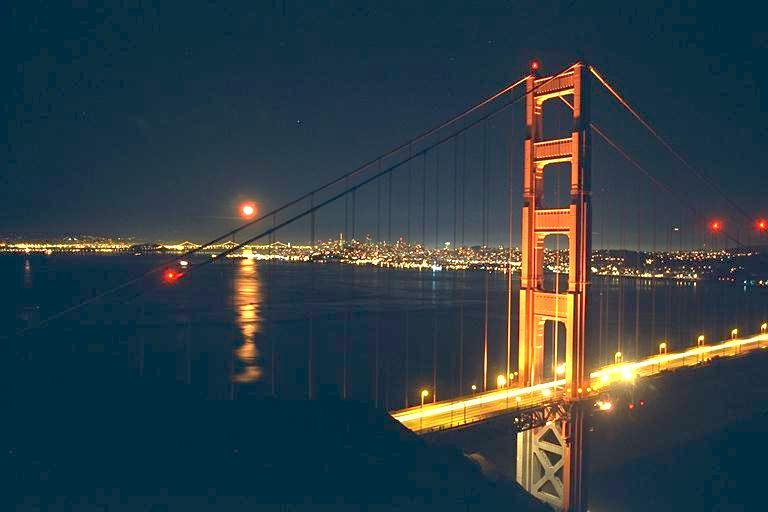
pixel 549 459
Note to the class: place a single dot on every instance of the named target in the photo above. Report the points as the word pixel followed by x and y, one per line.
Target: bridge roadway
pixel 480 406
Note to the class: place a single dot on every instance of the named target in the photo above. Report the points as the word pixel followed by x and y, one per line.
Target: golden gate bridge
pixel 547 378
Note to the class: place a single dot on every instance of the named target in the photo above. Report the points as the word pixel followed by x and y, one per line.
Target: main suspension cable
pixel 706 179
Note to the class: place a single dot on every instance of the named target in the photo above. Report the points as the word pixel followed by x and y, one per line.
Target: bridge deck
pixel 480 406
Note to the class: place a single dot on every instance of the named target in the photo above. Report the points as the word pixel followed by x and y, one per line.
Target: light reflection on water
pixel 247 298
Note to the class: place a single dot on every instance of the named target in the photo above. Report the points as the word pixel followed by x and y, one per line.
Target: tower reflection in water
pixel 247 298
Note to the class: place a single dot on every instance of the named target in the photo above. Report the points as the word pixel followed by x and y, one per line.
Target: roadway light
pixel 764 327
pixel 501 381
pixel 734 333
pixel 424 394
pixel 604 406
pixel 700 340
pixel 474 388
pixel 662 347
pixel 560 370
pixel 617 357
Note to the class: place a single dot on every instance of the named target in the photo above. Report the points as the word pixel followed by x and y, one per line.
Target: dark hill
pixel 147 446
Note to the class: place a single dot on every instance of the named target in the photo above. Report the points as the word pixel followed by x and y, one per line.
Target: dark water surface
pixel 242 329
pixel 290 329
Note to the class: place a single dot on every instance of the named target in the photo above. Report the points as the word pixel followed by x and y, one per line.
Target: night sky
pixel 156 121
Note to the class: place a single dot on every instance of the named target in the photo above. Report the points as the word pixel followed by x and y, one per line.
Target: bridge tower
pixel 549 459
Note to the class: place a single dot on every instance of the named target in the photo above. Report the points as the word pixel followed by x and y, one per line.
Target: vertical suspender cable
pixel 437 197
pixel 312 220
pixel 510 201
pixel 655 263
pixel 455 185
pixel 408 194
pixel 407 357
pixel 346 211
pixel 376 359
pixel 378 208
pixel 637 283
pixel 484 192
pixel 354 212
pixel 463 187
pixel 345 363
pixel 434 354
pixel 389 208
pixel 424 203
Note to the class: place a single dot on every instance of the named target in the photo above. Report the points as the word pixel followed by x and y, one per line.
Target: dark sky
pixel 155 121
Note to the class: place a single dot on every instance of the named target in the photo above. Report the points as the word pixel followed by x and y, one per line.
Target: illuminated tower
pixel 549 458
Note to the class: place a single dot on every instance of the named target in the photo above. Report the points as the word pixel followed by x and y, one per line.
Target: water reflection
pixel 247 298
pixel 27 274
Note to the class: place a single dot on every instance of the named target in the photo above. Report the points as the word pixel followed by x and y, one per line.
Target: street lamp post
pixel 700 343
pixel 618 357
pixel 424 394
pixel 734 335
pixel 662 351
pixel 763 329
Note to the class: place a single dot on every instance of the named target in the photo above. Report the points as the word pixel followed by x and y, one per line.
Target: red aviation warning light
pixel 247 210
pixel 535 65
pixel 170 275
pixel 715 226
pixel 762 225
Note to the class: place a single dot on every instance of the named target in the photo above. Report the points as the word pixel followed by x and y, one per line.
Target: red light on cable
pixel 715 226
pixel 762 225
pixel 631 406
pixel 642 403
pixel 170 276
